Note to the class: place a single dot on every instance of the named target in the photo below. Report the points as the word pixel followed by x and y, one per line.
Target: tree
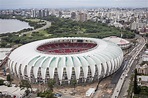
pixel 3 44
pixel 134 41
pixel 25 84
pixel 146 35
pixel 136 91
pixel 46 94
pixel 51 83
pixel 27 92
pixel 146 45
pixel 49 94
pixel 74 82
pixel 9 78
pixel 1 82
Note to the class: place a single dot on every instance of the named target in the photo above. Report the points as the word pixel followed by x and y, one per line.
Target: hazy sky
pixel 13 4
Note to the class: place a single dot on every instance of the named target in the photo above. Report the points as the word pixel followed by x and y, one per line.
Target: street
pixel 120 87
pixel 48 24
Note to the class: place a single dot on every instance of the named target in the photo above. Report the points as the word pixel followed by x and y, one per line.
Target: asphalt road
pixel 123 93
pixel 117 75
pixel 48 24
pixel 126 69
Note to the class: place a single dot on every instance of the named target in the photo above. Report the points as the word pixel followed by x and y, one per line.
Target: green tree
pixel 3 44
pixel 51 83
pixel 135 88
pixel 146 45
pixel 74 82
pixel 1 82
pixel 9 78
pixel 25 84
pixel 146 35
pixel 49 94
pixel 27 92
pixel 46 94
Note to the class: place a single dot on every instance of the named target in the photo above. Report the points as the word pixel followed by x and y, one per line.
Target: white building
pixel 145 57
pixel 13 91
pixel 90 92
pixel 124 44
pixel 136 25
pixel 142 80
pixel 143 69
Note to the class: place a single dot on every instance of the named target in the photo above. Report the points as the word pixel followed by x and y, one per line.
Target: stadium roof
pixel 28 55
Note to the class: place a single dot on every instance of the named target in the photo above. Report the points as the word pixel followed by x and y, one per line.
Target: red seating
pixel 65 47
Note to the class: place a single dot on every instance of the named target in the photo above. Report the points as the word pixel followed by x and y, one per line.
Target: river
pixel 12 25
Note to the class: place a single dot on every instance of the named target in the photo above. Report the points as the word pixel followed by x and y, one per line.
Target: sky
pixel 15 4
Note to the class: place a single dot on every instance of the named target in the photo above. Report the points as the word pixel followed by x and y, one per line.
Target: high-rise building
pixel 33 13
pixel 73 15
pixel 42 13
pixel 82 17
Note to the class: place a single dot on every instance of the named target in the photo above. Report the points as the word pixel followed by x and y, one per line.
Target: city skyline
pixel 16 4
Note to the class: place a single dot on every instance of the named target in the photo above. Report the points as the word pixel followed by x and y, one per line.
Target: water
pixel 12 25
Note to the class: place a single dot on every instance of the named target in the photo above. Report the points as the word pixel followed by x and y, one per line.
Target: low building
pixel 143 30
pixel 142 80
pixel 4 52
pixel 14 92
pixel 143 69
pixel 145 57
pixel 116 24
pixel 90 92
pixel 146 52
pixel 136 25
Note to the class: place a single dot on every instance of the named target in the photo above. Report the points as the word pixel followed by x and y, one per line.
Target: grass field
pixel 44 33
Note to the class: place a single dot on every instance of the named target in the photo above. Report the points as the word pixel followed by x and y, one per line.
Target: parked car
pixel 57 95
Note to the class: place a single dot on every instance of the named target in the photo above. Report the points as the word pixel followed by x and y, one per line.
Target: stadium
pixel 122 43
pixel 65 60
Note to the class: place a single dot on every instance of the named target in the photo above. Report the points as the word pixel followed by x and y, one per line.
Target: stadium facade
pixel 65 59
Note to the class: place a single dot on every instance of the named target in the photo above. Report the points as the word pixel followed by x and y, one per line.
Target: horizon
pixel 62 4
pixel 76 8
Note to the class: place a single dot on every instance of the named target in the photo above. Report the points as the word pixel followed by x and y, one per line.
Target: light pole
pixel 99 80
